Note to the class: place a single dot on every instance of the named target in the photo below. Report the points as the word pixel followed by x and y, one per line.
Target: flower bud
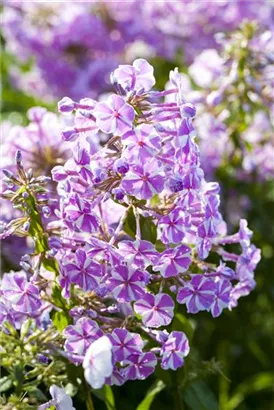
pixel 26 226
pixel 121 166
pixel 59 173
pixel 188 110
pixel 46 211
pixel 99 175
pixel 118 194
pixel 69 134
pixel 66 105
pixel 7 173
pixel 18 157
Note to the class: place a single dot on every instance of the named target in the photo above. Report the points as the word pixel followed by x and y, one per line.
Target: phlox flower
pixel 97 363
pixel 155 310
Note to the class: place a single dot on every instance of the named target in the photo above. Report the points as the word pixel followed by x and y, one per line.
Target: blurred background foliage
pixel 231 365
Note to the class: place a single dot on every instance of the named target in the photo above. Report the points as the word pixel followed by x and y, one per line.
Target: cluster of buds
pixel 136 224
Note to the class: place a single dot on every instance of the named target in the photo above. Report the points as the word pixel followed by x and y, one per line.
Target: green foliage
pixel 61 320
pixel 148 228
pixel 150 396
pixel 200 396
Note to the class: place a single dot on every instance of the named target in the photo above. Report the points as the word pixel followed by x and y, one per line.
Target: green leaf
pixel 199 396
pixel 61 320
pixel 106 395
pixel 57 298
pixel 50 265
pixel 146 403
pixel 34 391
pixel 18 376
pixel 262 381
pixel 5 383
pixel 109 398
pixel 148 228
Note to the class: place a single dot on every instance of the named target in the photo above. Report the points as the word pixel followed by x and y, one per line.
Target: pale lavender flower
pixel 141 144
pixel 114 115
pixel 138 77
pixel 144 181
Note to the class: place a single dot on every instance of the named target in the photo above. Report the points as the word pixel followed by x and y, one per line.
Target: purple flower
pixel 222 297
pixel 143 181
pixel 141 143
pixel 224 272
pixel 79 215
pixel 81 335
pixel 84 271
pixel 173 226
pixel 139 253
pixel 174 261
pixel 82 161
pixel 125 344
pixel 243 288
pixel 173 351
pixel 247 262
pixel 138 77
pixel 60 399
pixel 198 294
pixel 102 250
pixel 117 378
pixel 155 310
pixel 140 366
pixel 126 283
pixel 114 115
pixel 21 294
pixel 185 135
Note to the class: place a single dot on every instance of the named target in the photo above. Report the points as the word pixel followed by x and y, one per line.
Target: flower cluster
pixel 43 148
pixel 130 244
pixel 235 104
pixel 76 48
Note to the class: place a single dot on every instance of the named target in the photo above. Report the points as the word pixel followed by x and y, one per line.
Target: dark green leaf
pixel 148 228
pixel 199 396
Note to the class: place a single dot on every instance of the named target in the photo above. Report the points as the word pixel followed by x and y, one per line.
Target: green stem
pixel 89 402
pixel 178 400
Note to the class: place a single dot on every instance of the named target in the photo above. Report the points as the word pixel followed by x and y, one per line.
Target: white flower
pixel 62 400
pixel 98 362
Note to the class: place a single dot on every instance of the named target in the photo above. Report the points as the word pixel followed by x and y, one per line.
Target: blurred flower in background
pixel 73 49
